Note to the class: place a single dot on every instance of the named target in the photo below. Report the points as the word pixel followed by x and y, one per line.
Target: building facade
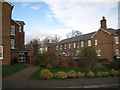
pixel 106 42
pixel 12 37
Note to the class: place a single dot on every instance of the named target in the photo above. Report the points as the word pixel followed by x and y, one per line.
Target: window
pixel 74 45
pixel 60 47
pixel 12 30
pixel 56 47
pixel 99 53
pixel 20 29
pixel 117 52
pixel 89 42
pixel 65 46
pixel 96 42
pixel 46 48
pixel 117 40
pixel 81 43
pixel 69 45
pixel 1 52
pixel 12 44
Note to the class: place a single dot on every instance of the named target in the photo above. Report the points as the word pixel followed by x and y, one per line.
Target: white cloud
pixel 42 33
pixel 84 16
pixel 25 4
pixel 34 7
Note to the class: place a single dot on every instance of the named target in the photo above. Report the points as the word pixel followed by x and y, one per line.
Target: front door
pixel 21 57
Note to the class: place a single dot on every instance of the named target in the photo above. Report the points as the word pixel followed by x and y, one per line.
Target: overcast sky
pixel 46 18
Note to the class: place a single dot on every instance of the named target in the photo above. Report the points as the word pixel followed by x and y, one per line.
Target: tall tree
pixel 35 45
pixel 88 56
pixel 74 33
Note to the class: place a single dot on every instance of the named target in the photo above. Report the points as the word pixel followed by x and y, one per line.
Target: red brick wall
pixel 6 23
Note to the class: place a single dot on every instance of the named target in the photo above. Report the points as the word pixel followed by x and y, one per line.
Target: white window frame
pixel 12 32
pixel 12 41
pixel 69 46
pixel 81 43
pixel 56 47
pixel 74 45
pixel 1 52
pixel 95 42
pixel 99 52
pixel 60 47
pixel 65 46
pixel 46 48
pixel 117 52
pixel 116 40
pixel 20 29
pixel 89 42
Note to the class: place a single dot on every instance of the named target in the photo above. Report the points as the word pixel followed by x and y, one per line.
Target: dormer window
pixel 12 30
pixel 20 29
pixel 117 40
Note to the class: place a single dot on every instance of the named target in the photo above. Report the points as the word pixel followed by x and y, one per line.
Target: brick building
pixel 12 37
pixel 48 47
pixel 106 42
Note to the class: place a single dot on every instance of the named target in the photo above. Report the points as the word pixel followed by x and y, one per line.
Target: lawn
pixel 36 74
pixel 10 69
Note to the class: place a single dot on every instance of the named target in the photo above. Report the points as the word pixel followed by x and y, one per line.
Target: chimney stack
pixel 103 23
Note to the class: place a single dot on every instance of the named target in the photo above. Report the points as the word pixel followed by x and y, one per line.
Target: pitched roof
pixel 50 44
pixel 78 38
pixel 15 22
pixel 112 31
pixel 20 22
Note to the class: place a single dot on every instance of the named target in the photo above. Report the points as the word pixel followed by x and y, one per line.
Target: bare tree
pixel 74 33
pixel 53 39
pixel 34 44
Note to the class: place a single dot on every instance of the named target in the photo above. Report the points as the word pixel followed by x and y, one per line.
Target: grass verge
pixel 11 69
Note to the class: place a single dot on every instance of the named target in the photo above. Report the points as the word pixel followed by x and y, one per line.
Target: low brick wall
pixel 67 61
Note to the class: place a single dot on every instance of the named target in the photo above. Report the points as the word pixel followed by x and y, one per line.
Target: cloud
pixel 42 33
pixel 25 4
pixel 34 7
pixel 83 16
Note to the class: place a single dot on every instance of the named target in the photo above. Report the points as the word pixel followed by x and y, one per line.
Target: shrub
pixel 72 74
pixel 99 74
pixel 114 65
pixel 105 74
pixel 114 72
pixel 81 74
pixel 46 74
pixel 61 75
pixel 15 60
pixel 90 74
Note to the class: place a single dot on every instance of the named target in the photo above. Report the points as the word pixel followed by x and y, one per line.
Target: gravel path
pixel 23 74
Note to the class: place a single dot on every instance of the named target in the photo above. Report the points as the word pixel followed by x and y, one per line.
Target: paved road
pixel 23 74
pixel 68 83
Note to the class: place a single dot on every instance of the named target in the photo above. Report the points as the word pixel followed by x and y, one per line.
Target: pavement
pixel 103 82
pixel 23 74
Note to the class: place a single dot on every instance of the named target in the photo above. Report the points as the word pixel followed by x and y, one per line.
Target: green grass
pixel 36 74
pixel 10 69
